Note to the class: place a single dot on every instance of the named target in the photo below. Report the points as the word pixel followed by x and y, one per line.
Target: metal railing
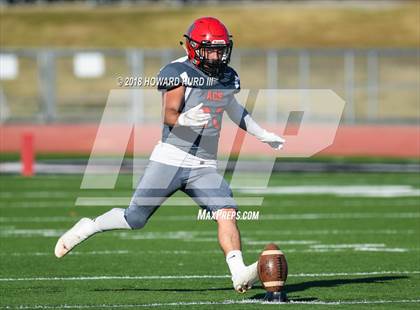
pixel 378 85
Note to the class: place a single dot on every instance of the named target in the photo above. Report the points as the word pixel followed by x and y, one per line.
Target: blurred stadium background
pixel 365 51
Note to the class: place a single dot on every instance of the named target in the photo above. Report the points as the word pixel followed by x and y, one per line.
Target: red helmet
pixel 209 45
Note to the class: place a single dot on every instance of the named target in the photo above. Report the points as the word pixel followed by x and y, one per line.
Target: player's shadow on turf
pixel 299 287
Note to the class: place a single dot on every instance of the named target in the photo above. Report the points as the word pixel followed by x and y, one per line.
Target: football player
pixel 196 91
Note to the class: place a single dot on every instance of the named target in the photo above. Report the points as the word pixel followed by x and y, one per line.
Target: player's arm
pixel 240 116
pixel 172 101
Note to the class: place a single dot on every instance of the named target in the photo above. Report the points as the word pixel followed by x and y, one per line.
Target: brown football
pixel 272 268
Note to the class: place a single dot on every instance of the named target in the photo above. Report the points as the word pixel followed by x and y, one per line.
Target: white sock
pixel 235 262
pixel 253 273
pixel 113 219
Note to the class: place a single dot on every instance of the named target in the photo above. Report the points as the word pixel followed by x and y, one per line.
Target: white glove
pixel 275 141
pixel 263 135
pixel 194 117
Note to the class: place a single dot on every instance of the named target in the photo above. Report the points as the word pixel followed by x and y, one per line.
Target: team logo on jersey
pixel 214 95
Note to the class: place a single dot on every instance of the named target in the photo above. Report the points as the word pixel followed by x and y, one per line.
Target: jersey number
pixel 216 114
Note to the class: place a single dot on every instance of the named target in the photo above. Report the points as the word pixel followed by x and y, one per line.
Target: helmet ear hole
pixel 193 44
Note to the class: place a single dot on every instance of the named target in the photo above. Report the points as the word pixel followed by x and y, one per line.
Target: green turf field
pixel 343 251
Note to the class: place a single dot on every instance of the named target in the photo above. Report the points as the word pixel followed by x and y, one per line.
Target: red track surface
pixel 371 140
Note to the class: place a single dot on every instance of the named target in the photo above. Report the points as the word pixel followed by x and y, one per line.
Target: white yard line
pixel 106 252
pixel 116 252
pixel 281 232
pixel 285 203
pixel 263 217
pixel 38 204
pixel 308 216
pixel 172 201
pixel 338 190
pixel 261 232
pixel 194 236
pixel 360 247
pixel 186 277
pixel 225 302
pixel 39 194
pixel 31 232
pixel 366 247
pixel 90 278
pixel 318 216
pixel 37 219
pixel 283 242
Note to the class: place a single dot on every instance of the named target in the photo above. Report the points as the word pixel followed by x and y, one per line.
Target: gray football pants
pixel 159 181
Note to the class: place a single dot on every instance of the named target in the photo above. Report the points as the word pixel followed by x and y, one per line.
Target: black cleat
pixel 275 297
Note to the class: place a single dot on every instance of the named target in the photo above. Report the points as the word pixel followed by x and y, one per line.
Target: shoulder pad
pixel 169 76
pixel 235 80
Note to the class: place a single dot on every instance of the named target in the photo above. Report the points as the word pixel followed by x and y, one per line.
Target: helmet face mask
pixel 209 46
pixel 211 58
